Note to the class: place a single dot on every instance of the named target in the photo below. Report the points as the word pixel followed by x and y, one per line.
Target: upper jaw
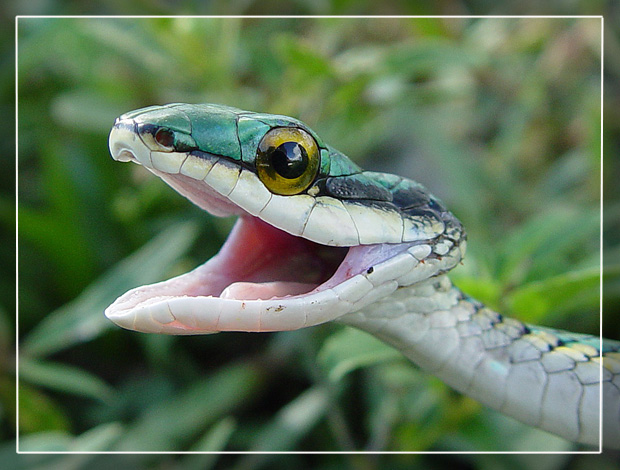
pixel 129 142
pixel 132 140
pixel 185 305
pixel 224 186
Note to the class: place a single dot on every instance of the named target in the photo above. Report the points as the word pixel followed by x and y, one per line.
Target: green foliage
pixel 185 413
pixel 81 319
pixel 498 117
pixel 64 378
pixel 349 349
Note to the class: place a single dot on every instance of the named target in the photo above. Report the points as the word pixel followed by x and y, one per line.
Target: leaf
pixel 50 441
pixel 290 425
pixel 351 349
pixel 302 57
pixel 293 421
pixel 133 44
pixel 56 230
pixel 485 290
pixel 99 438
pixel 569 291
pixel 430 56
pixel 490 429
pixel 168 425
pixel 37 412
pixel 541 245
pixel 82 319
pixel 84 110
pixel 214 440
pixel 64 378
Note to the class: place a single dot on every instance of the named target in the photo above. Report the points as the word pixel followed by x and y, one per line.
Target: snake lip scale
pixel 319 239
pixel 265 278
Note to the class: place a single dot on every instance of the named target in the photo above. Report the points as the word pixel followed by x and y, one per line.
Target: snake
pixel 319 239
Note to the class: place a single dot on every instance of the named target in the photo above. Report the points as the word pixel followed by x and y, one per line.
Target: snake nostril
pixel 126 145
pixel 125 155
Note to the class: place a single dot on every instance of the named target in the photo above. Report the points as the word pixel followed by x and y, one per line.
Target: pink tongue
pixel 264 290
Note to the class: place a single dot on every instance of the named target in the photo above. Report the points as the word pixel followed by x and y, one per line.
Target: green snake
pixel 319 239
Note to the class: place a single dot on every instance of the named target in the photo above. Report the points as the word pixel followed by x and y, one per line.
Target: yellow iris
pixel 287 160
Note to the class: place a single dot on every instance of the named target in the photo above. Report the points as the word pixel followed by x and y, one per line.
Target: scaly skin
pixel 543 377
pixel 399 242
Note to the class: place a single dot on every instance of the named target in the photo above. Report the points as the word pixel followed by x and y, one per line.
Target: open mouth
pixel 262 279
pixel 290 261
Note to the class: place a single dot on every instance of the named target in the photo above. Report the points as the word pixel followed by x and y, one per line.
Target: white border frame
pixel 18 17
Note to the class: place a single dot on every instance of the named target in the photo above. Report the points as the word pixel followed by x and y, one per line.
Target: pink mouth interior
pixel 259 261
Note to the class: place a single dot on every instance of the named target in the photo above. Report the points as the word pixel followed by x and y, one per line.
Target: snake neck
pixel 423 320
pixel 542 377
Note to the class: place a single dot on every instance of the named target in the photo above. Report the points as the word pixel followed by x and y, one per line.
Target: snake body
pixel 319 239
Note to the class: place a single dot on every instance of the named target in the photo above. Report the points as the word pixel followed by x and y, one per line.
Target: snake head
pixel 317 236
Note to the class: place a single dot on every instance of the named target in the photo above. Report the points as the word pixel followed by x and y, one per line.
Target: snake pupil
pixel 289 160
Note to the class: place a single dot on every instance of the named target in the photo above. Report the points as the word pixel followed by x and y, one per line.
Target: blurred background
pixel 500 118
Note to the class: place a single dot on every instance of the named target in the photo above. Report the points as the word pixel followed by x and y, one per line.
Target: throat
pixel 262 262
pixel 412 311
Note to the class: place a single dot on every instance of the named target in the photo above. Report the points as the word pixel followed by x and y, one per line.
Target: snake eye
pixel 287 160
pixel 164 137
